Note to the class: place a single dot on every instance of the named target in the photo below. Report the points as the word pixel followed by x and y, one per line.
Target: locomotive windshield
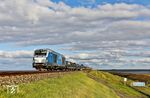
pixel 40 52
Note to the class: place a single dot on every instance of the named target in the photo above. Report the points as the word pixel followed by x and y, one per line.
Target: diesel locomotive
pixel 47 59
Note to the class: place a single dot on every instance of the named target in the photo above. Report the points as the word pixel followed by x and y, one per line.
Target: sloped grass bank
pixel 138 77
pixel 115 83
pixel 74 85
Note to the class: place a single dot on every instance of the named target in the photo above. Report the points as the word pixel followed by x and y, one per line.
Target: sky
pixel 102 34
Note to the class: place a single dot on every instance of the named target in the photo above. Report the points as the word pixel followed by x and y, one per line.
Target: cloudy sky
pixel 103 34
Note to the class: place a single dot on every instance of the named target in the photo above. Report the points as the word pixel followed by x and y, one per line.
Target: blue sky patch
pixel 94 3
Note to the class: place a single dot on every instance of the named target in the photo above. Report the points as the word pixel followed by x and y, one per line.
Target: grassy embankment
pixel 138 77
pixel 141 77
pixel 75 85
pixel 116 83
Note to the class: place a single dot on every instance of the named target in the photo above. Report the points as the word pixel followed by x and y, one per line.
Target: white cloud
pixel 16 60
pixel 16 54
pixel 115 58
pixel 49 20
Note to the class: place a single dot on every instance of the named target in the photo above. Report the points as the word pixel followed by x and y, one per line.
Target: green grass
pixel 116 83
pixel 75 85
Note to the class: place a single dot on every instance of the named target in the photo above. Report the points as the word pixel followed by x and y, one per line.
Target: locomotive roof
pixel 50 50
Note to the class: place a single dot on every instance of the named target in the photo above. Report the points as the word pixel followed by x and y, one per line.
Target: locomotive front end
pixel 40 59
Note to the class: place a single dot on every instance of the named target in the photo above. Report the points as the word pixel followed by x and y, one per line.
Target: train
pixel 48 59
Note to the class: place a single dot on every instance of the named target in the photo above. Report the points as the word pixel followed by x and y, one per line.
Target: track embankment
pixel 116 83
pixel 17 77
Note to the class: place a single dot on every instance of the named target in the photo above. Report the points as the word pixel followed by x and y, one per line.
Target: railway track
pixel 13 73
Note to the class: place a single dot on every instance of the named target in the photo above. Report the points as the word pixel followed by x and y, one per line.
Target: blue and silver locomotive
pixel 48 59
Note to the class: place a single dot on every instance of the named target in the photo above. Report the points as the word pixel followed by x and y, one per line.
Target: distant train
pixel 47 59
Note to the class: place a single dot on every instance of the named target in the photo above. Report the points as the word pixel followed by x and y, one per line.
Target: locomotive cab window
pixel 40 53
